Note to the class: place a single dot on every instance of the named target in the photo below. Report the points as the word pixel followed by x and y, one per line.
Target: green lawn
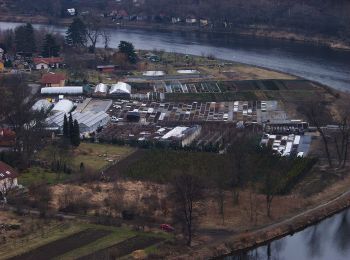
pixel 37 174
pixel 94 156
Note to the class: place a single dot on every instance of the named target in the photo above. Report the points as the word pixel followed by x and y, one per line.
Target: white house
pixel 8 179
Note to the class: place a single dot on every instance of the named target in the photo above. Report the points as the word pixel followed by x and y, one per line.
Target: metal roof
pixel 42 104
pixel 62 90
pixel 63 105
pixel 120 87
pixel 101 88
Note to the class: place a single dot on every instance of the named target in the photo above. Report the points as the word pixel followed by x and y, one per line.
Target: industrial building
pixel 42 105
pixel 88 121
pixel 184 135
pixel 101 89
pixel 64 106
pixel 120 90
pixel 71 90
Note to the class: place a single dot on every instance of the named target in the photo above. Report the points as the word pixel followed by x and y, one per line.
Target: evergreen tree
pixel 75 138
pixel 128 49
pixel 50 48
pixel 70 127
pixel 65 127
pixel 25 39
pixel 76 33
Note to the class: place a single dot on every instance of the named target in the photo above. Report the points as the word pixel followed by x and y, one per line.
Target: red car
pixel 167 228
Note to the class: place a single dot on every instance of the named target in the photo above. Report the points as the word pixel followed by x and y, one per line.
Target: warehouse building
pixel 71 90
pixel 183 135
pixel 120 90
pixel 64 106
pixel 42 105
pixel 101 89
pixel 88 121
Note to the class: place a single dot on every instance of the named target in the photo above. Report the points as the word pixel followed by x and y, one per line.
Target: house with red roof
pixel 53 79
pixel 8 179
pixel 7 137
pixel 46 63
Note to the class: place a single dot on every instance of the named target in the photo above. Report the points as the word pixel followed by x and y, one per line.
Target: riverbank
pixel 250 239
pixel 260 32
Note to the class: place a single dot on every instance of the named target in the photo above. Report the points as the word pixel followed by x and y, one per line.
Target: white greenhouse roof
pixel 101 88
pixel 42 104
pixel 153 73
pixel 62 90
pixel 120 87
pixel 177 132
pixel 63 105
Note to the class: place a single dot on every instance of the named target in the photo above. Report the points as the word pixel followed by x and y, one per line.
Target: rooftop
pixel 7 171
pixel 53 78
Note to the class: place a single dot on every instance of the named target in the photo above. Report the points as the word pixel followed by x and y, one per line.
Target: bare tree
pixel 188 191
pixel 319 117
pixel 106 35
pixel 93 31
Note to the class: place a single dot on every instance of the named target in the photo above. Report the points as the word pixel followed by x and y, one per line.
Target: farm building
pixel 101 89
pixel 183 135
pixel 45 63
pixel 106 68
pixel 63 105
pixel 120 90
pixel 53 80
pixel 42 105
pixel 8 178
pixel 72 90
pixel 7 137
pixel 88 121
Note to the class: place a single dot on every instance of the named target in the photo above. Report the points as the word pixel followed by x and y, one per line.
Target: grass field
pixel 94 156
pixel 79 240
pixel 38 174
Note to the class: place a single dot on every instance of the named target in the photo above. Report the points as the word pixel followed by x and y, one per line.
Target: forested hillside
pixel 328 17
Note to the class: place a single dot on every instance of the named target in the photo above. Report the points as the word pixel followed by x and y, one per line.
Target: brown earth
pixel 61 246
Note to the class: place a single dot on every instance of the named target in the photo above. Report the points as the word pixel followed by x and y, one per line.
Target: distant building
pixel 106 68
pixel 67 90
pixel 53 79
pixel 191 20
pixel 46 63
pixel 63 105
pixel 7 137
pixel 8 178
pixel 120 90
pixel 71 11
pixel 88 121
pixel 2 52
pixel 101 89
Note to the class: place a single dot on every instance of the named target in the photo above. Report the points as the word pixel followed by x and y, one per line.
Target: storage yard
pixel 120 112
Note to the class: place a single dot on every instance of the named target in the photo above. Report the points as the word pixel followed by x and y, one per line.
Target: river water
pixel 328 240
pixel 321 64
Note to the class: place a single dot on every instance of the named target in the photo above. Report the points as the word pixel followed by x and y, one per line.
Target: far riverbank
pixel 260 32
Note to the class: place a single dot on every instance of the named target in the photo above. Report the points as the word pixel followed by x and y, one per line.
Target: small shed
pixel 8 178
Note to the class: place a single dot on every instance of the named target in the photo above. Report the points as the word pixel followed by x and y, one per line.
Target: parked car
pixel 167 228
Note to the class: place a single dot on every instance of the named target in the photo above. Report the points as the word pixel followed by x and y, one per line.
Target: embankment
pixel 261 32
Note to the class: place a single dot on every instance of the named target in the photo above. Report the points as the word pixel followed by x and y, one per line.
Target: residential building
pixel 8 179
pixel 46 63
pixel 53 79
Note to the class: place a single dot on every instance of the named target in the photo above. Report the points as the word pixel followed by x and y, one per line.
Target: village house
pixel 53 80
pixel 46 63
pixel 191 20
pixel 7 137
pixel 8 179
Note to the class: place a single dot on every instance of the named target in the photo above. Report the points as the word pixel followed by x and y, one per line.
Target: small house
pixel 191 20
pixel 106 68
pixel 53 80
pixel 71 11
pixel 7 137
pixel 8 178
pixel 46 63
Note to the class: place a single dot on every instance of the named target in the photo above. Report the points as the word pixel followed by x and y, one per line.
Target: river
pixel 321 64
pixel 328 240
